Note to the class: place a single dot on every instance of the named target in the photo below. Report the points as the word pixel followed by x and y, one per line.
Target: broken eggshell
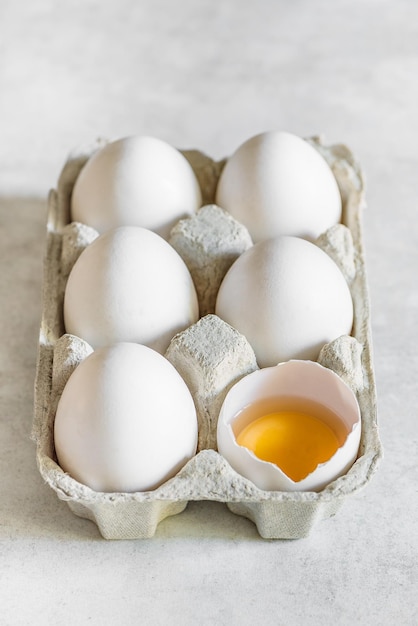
pixel 304 380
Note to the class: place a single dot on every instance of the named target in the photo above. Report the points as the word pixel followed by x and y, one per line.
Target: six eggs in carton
pixel 158 260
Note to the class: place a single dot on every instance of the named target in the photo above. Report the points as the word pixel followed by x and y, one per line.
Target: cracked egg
pixel 291 427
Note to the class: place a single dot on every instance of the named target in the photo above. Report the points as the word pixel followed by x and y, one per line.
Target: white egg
pixel 135 181
pixel 126 420
pixel 277 184
pixel 303 393
pixel 288 298
pixel 129 285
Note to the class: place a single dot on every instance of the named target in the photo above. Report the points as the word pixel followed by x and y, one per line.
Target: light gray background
pixel 210 74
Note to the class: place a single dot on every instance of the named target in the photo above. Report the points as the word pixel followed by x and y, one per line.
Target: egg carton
pixel 211 356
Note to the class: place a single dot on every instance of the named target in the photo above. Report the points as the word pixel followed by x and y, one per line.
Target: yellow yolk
pixel 294 441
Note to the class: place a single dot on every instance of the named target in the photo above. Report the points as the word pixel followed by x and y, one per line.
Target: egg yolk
pixel 296 442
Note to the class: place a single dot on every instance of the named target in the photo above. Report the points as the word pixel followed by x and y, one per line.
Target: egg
pixel 276 183
pixel 130 285
pixel 125 421
pixel 295 426
pixel 287 297
pixel 135 181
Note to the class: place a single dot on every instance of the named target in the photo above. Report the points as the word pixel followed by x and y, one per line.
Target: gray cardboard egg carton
pixel 211 356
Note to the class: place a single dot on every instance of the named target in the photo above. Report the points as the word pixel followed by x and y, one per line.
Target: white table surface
pixel 209 75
